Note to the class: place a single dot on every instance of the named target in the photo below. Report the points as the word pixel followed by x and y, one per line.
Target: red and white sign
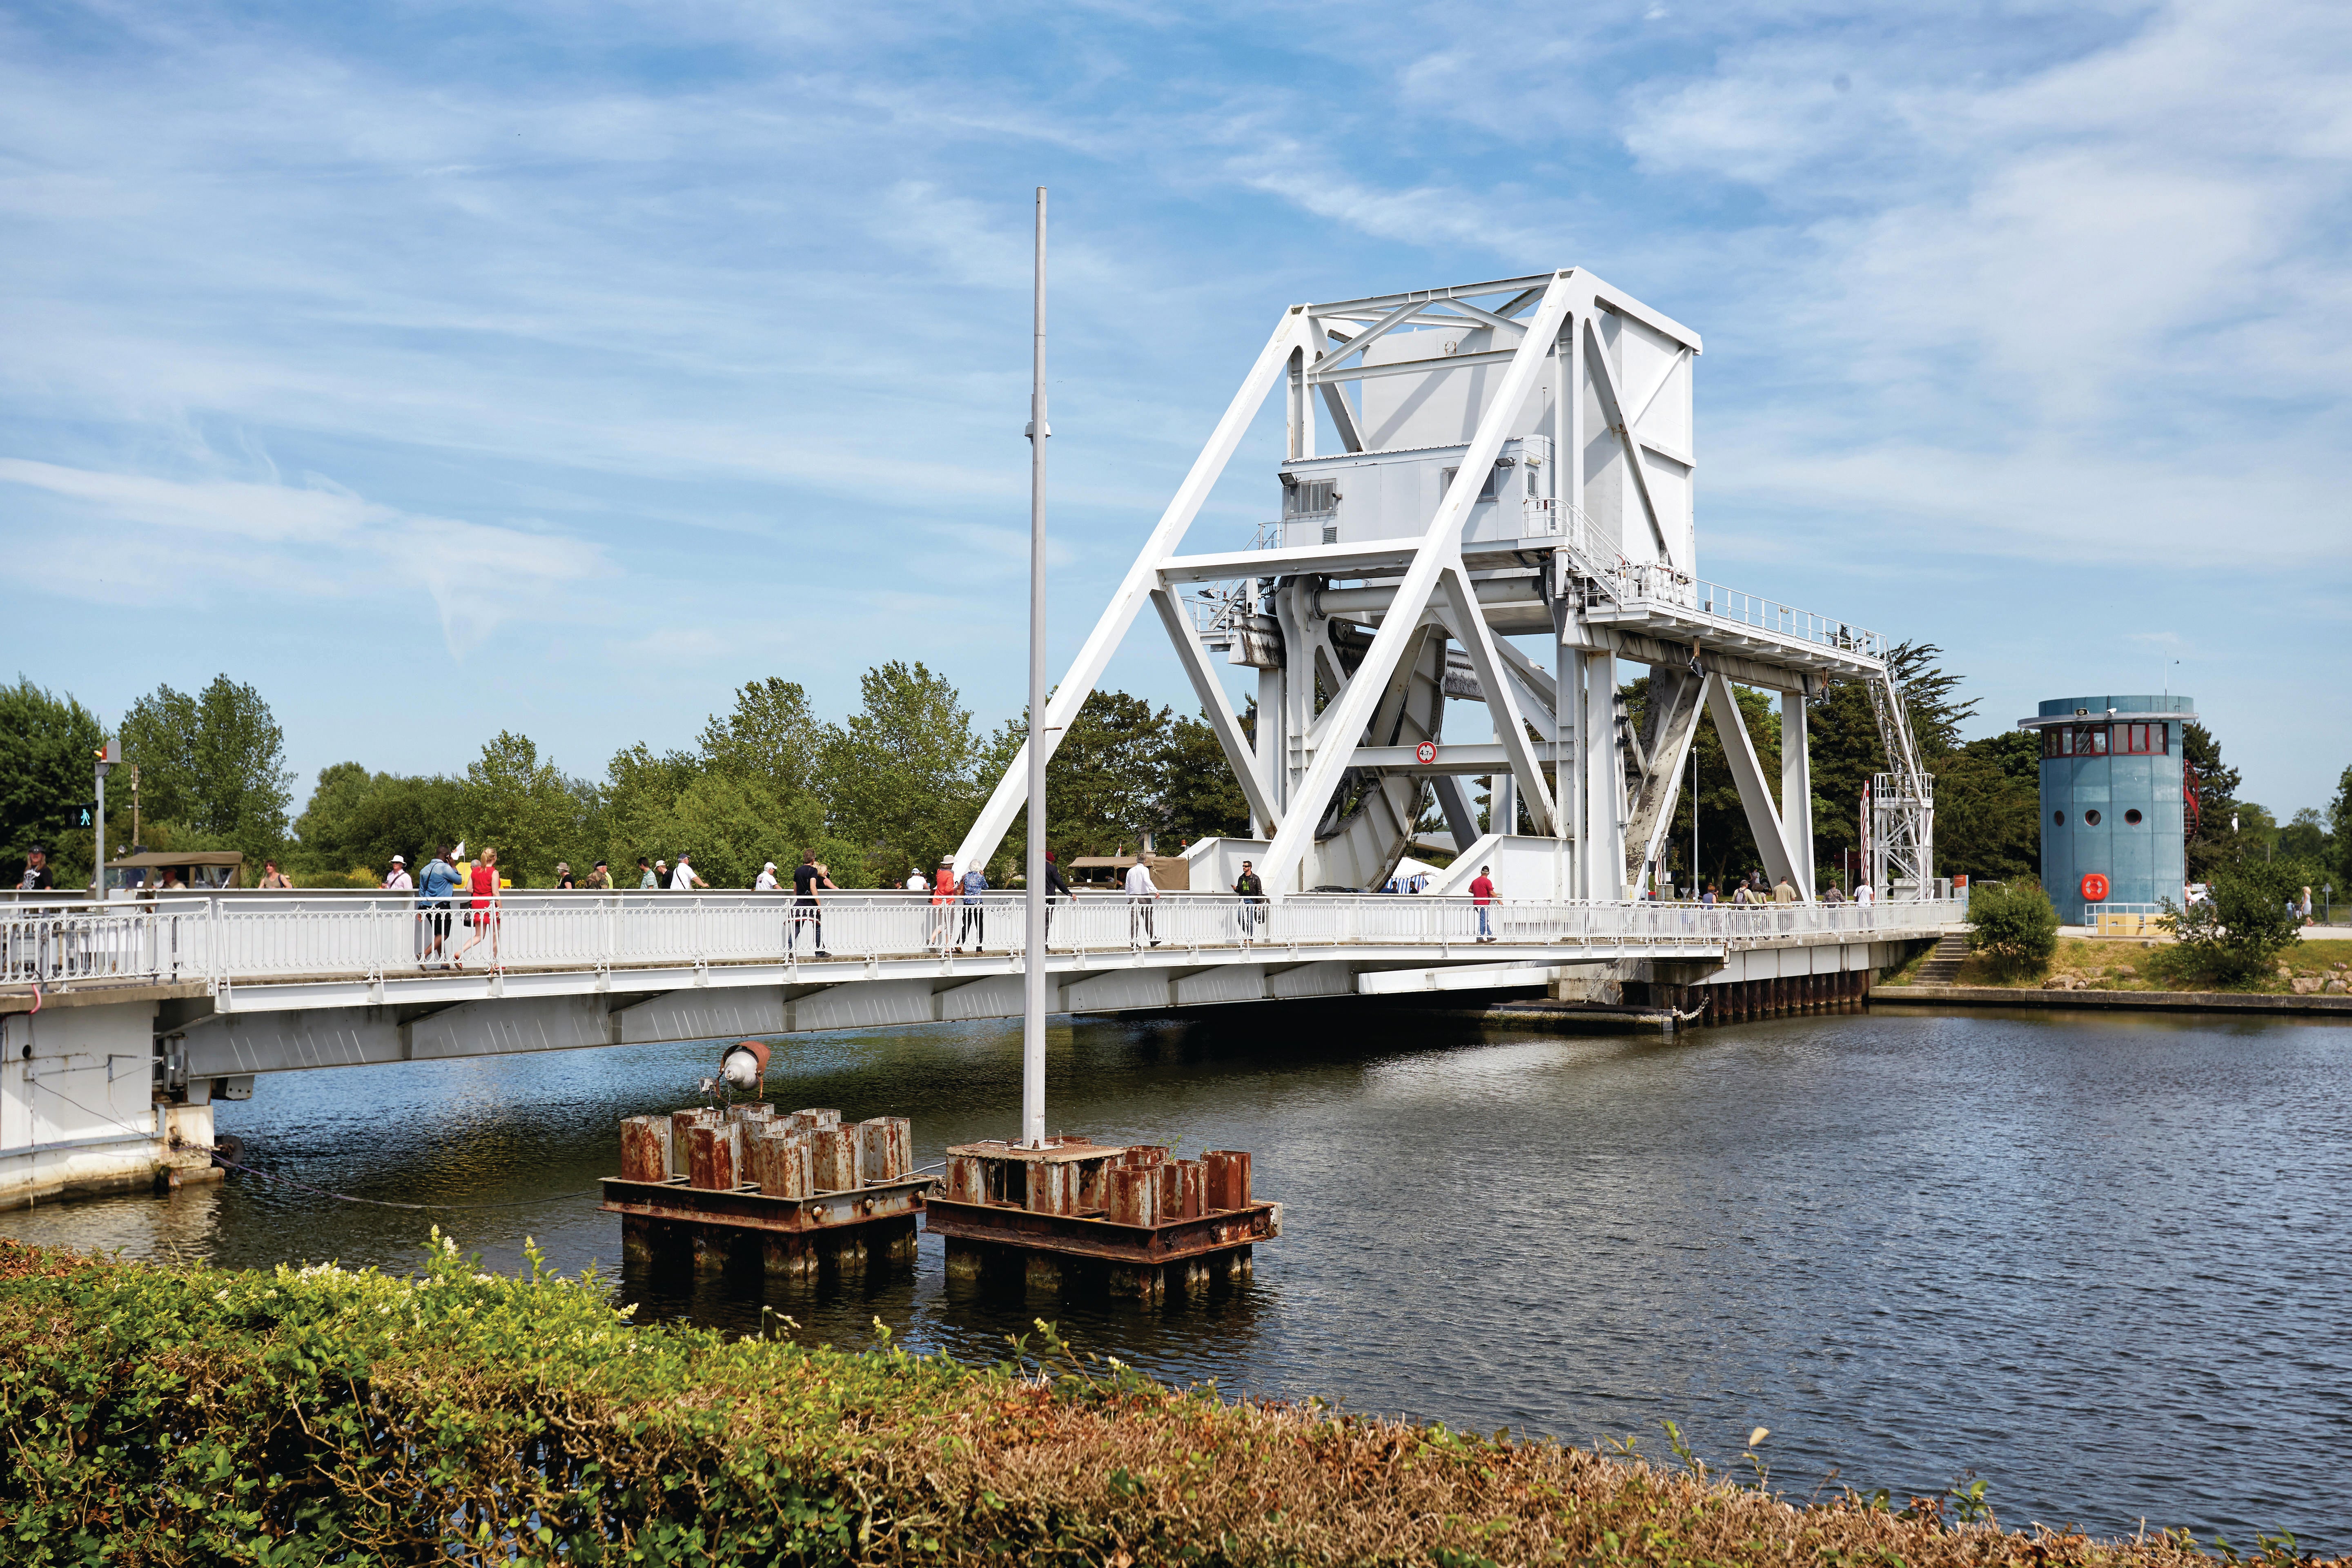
pixel 1425 754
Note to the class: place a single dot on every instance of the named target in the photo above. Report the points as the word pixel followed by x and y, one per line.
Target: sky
pixel 444 369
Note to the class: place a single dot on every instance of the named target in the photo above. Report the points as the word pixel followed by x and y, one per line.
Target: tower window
pixel 2131 816
pixel 2141 740
pixel 2059 817
pixel 2091 817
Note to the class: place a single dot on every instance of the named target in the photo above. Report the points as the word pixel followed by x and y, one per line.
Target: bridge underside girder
pixel 314 1029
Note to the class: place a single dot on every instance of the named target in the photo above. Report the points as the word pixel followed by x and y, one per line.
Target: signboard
pixel 1425 754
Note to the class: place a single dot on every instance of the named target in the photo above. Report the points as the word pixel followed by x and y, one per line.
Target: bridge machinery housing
pixel 1505 512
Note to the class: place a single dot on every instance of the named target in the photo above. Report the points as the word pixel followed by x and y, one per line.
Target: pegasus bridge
pixel 1486 503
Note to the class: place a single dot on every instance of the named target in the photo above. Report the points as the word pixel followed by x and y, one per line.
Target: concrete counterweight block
pixel 884 1146
pixel 1229 1177
pixel 836 1151
pixel 716 1156
pixel 644 1149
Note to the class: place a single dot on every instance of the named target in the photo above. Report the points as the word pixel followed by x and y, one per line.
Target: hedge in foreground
pixel 190 1414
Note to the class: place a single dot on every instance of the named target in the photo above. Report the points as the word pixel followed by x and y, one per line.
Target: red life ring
pixel 2094 888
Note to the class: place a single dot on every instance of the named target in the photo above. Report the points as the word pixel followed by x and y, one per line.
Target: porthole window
pixel 2059 817
pixel 2131 816
pixel 2091 818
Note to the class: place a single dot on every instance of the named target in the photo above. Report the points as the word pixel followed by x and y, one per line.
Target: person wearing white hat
pixel 766 881
pixel 398 881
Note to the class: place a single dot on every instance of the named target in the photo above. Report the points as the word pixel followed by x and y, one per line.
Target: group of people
pixel 446 879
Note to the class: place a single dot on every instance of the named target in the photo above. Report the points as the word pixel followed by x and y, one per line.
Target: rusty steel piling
pixel 1072 1214
pixel 702 1187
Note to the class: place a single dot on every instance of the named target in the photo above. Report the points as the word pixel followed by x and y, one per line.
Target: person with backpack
pixel 434 886
pixel 974 926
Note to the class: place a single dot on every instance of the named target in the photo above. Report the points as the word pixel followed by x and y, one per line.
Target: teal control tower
pixel 2113 802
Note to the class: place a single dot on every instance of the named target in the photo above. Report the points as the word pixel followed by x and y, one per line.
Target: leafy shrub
pixel 2013 924
pixel 2247 923
pixel 192 1415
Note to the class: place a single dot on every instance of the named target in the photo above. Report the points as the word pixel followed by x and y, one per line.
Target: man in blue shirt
pixel 975 913
pixel 434 885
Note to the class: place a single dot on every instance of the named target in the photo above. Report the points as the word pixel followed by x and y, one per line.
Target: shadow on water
pixel 2096 1259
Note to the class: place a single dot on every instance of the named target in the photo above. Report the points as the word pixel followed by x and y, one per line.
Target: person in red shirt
pixel 943 893
pixel 1482 893
pixel 483 915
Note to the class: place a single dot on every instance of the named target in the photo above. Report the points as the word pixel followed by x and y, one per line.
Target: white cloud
pixel 317 542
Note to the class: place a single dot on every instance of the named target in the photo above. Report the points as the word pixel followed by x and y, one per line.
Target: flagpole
pixel 1033 992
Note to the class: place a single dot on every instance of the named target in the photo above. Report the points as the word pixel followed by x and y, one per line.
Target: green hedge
pixel 175 1416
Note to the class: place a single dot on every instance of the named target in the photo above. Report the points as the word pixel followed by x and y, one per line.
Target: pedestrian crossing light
pixel 89 810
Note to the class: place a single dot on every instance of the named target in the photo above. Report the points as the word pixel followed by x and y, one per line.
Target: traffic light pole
pixel 108 755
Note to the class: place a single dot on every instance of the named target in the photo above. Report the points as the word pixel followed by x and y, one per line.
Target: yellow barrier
pixel 2126 925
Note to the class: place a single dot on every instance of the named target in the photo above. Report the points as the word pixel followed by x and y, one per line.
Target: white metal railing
pixel 257 938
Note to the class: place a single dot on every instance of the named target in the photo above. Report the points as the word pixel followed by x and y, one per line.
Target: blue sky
pixel 441 369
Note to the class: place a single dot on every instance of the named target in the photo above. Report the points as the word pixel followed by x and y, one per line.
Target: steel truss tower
pixel 1515 461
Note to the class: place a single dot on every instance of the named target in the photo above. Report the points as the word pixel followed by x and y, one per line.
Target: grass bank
pixel 2125 963
pixel 196 1415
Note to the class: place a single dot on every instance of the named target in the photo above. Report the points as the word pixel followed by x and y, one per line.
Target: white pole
pixel 1032 963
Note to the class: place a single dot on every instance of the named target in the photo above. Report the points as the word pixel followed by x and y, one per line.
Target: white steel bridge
pixel 241 984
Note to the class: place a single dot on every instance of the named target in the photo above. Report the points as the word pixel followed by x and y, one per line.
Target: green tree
pixel 2340 832
pixel 731 825
pixel 1200 797
pixel 2216 842
pixel 357 821
pixel 49 743
pixel 902 773
pixel 522 807
pixel 772 735
pixel 2013 923
pixel 1106 783
pixel 2305 837
pixel 1844 747
pixel 214 761
pixel 2247 923
pixel 1988 807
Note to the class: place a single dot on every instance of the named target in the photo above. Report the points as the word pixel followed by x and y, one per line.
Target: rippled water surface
pixel 2099 1262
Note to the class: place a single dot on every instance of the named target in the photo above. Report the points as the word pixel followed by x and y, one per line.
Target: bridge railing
pixel 257 938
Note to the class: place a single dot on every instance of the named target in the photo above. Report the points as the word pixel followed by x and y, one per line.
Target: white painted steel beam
pixel 1287 851
pixel 1239 753
pixel 1011 790
pixel 1755 796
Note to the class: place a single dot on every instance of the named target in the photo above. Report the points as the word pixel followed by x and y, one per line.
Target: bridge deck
pixel 291 981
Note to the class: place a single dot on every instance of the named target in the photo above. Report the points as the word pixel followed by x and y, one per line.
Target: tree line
pixel 894 784
pixel 890 788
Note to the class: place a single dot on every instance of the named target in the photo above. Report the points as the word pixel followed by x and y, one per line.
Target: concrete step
pixel 1943 965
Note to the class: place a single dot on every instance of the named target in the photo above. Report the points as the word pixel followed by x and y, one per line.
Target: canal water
pixel 2100 1263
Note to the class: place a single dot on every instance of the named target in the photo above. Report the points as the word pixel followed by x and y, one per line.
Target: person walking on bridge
pixel 1057 890
pixel 684 879
pixel 974 925
pixel 1141 894
pixel 766 882
pixel 1250 888
pixel 807 909
pixel 1482 898
pixel 645 879
pixel 1783 892
pixel 438 880
pixel 600 880
pixel 943 892
pixel 483 916
pixel 397 880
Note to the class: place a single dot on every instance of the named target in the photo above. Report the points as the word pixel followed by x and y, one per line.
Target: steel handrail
pixel 247 938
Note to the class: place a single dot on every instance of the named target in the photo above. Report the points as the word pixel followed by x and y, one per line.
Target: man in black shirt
pixel 1252 893
pixel 38 878
pixel 807 877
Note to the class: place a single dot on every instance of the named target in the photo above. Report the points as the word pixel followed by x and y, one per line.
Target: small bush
pixel 2235 934
pixel 2013 924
